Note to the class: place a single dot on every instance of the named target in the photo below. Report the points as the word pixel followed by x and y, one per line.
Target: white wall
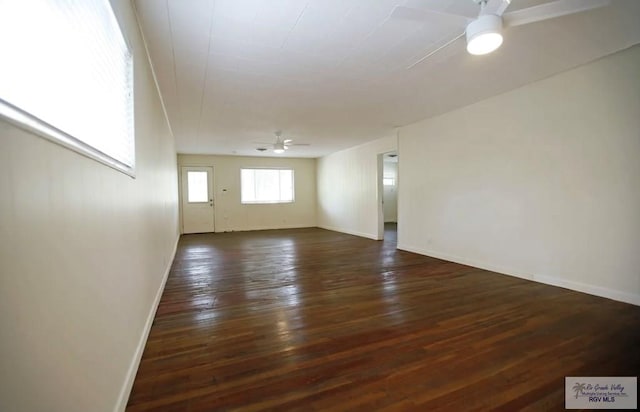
pixel 231 215
pixel 349 197
pixel 83 252
pixel 390 193
pixel 541 182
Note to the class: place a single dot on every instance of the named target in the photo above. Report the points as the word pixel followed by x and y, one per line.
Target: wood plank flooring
pixel 314 320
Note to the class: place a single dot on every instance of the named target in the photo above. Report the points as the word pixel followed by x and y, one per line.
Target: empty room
pixel 319 205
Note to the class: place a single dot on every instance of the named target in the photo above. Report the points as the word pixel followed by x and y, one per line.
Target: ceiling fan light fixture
pixel 278 148
pixel 484 34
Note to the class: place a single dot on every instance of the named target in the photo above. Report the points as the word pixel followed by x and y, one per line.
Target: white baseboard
pixel 600 291
pixel 349 232
pixel 135 362
pixel 464 261
pixel 590 289
pixel 249 229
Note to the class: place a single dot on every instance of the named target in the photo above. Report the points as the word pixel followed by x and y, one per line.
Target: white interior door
pixel 197 199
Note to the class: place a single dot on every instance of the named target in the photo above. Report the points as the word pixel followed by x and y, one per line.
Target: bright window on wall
pixel 67 75
pixel 197 187
pixel 389 181
pixel 266 185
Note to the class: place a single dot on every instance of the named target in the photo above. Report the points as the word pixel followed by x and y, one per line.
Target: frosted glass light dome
pixel 484 34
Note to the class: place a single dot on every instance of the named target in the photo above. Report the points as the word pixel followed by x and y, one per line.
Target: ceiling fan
pixel 484 32
pixel 280 145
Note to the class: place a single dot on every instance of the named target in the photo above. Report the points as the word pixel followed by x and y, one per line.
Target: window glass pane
pixel 286 185
pixel 387 181
pixel 197 187
pixel 266 185
pixel 248 185
pixel 67 72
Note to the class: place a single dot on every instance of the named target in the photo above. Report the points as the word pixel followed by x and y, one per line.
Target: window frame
pixel 28 122
pixel 261 202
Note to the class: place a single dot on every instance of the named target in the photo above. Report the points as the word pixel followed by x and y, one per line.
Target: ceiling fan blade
pixel 551 10
pixel 434 51
pixel 422 15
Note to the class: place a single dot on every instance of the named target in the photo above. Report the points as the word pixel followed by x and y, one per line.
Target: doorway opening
pixel 388 188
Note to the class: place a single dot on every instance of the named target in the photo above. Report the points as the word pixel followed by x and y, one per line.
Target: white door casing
pixel 196 184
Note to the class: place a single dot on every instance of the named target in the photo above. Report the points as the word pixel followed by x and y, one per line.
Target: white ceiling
pixel 334 73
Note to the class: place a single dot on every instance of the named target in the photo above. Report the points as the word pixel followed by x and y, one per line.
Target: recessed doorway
pixel 388 190
pixel 196 186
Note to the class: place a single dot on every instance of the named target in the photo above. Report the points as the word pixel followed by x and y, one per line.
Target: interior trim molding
pixel 123 398
pixel 349 232
pixel 269 227
pixel 618 295
pixel 590 289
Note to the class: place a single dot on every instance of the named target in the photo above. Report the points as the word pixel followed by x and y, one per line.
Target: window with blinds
pixel 67 75
pixel 266 185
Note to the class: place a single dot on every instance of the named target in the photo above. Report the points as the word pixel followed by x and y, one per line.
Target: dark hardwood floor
pixel 314 320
